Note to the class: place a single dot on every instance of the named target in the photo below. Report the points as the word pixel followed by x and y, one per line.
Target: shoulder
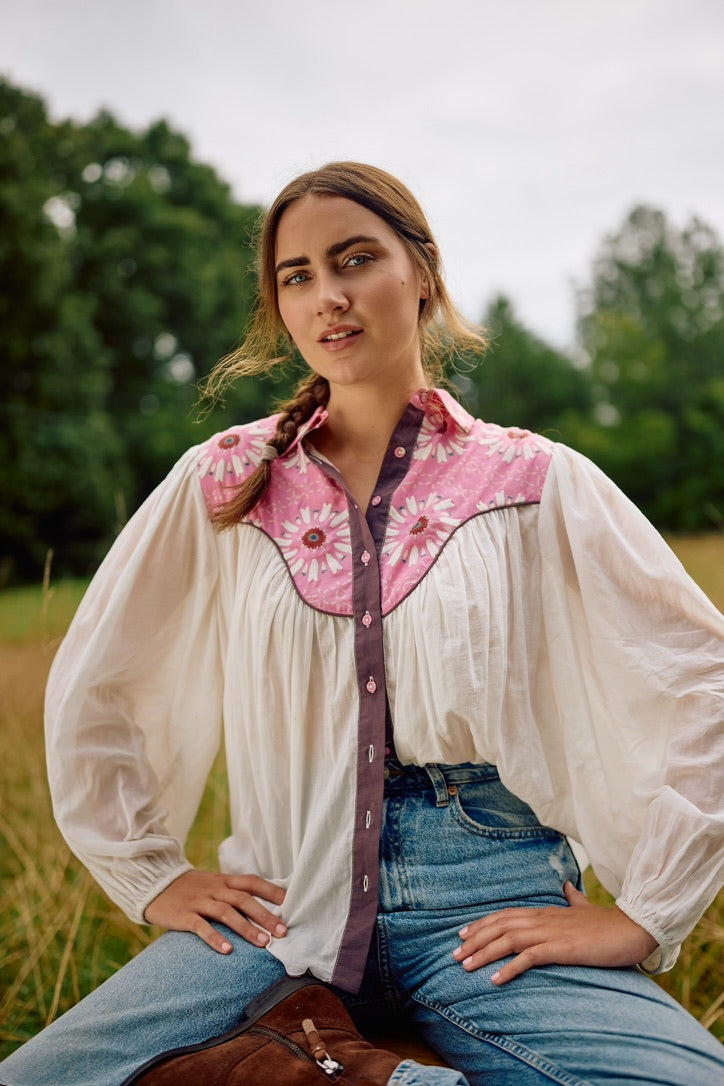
pixel 510 442
pixel 506 465
pixel 231 455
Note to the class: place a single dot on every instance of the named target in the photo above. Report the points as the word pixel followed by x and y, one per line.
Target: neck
pixel 361 420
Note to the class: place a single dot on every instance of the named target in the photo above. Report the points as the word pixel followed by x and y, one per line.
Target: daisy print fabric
pixel 459 468
pixel 316 542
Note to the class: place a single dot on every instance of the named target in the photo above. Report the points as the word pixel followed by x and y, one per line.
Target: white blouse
pixel 512 604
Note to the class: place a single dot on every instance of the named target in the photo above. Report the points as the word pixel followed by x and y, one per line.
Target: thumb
pixel 573 896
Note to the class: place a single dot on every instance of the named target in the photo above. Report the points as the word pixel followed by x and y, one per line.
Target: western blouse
pixel 500 595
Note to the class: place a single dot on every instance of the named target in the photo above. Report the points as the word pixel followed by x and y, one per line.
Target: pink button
pixel 366 619
pixel 365 557
pixel 400 452
pixel 376 500
pixel 371 685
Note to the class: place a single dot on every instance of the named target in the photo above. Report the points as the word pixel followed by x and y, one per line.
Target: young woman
pixel 440 648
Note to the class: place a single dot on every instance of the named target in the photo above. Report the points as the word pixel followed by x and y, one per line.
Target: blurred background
pixel 569 156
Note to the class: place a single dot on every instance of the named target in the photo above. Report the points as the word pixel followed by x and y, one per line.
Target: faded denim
pixel 455 845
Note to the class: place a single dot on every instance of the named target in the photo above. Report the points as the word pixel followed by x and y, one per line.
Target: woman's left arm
pixel 636 660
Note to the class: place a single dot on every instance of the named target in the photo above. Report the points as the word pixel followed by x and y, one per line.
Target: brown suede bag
pixel 296 1034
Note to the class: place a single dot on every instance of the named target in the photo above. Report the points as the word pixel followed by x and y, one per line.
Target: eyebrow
pixel 332 251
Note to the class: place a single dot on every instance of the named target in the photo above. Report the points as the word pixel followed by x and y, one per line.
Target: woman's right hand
pixel 196 897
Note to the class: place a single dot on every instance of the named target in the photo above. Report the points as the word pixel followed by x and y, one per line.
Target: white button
pixel 367 619
pixel 365 884
pixel 368 820
pixel 400 452
pixel 376 500
pixel 371 685
pixel 365 557
pixel 371 752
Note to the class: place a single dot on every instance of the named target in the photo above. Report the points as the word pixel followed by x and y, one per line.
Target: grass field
pixel 60 936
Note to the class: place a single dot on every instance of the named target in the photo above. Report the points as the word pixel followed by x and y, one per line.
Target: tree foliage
pixel 126 270
pixel 523 381
pixel 652 326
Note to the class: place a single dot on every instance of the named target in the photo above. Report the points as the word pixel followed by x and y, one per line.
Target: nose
pixel 330 295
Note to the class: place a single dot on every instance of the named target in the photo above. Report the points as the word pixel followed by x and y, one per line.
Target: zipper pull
pixel 329 1066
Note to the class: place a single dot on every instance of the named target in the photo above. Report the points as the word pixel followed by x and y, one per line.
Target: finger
pixel 574 896
pixel 492 952
pixel 208 934
pixel 249 906
pixel 259 887
pixel 493 919
pixel 527 959
pixel 521 923
pixel 226 914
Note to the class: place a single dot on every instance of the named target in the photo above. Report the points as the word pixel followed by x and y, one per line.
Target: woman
pixel 439 648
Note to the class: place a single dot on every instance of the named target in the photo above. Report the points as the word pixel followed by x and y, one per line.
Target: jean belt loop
pixel 437 780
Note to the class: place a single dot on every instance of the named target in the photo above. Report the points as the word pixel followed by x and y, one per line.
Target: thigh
pixel 176 992
pixel 445 862
pixel 565 1025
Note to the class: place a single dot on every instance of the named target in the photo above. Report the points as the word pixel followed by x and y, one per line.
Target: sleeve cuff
pixel 664 956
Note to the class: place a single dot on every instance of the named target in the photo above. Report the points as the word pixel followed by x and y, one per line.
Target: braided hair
pixel 310 393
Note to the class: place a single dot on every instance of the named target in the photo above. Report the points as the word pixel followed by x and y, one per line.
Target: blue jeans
pixel 455 845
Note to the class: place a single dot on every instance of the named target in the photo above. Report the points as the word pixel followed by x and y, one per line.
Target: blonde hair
pixel 443 330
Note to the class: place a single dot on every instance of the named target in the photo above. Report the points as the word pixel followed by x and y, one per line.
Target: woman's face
pixel 349 293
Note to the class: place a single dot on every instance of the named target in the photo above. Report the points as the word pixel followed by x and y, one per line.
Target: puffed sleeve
pixel 133 703
pixel 636 658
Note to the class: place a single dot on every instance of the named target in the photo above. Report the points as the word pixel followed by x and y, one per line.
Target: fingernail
pixel 280 929
pixel 468 961
pixel 463 932
pixel 495 978
pixel 226 948
pixel 262 939
pixel 457 952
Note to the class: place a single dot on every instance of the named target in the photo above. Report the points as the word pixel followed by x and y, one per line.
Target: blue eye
pixel 296 278
pixel 357 260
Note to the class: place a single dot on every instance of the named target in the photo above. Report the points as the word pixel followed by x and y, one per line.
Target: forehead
pixel 318 220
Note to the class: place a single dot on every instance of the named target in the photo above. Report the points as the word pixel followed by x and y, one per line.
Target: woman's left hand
pixel 583 934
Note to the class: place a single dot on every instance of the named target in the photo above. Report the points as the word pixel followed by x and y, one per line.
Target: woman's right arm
pixel 133 705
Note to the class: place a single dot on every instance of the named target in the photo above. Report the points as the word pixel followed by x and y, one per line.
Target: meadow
pixel 60 936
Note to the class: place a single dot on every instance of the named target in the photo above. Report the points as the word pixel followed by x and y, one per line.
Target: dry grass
pixel 60 936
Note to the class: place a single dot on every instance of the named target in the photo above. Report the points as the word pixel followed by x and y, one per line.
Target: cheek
pixel 288 316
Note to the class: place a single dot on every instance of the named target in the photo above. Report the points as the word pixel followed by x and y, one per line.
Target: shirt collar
pixel 317 419
pixel 439 407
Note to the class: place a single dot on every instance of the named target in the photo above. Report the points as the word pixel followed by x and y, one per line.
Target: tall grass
pixel 60 936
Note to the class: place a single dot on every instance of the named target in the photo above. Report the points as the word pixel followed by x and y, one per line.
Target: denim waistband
pixel 441 778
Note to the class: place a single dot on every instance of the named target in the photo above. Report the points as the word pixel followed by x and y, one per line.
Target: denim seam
pixel 400 891
pixel 386 973
pixel 513 1048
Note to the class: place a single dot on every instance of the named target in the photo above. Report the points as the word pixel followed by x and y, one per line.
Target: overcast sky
pixel 527 128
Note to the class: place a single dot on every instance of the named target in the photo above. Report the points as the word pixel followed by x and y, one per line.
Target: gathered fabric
pixel 501 603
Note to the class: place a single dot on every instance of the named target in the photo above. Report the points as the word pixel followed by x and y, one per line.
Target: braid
pixel 311 393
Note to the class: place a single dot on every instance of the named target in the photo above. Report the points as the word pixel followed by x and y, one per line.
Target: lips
pixel 340 333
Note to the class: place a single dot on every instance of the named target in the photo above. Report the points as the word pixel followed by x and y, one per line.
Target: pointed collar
pixel 439 407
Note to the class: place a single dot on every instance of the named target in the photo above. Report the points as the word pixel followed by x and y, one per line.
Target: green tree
pixel 127 271
pixel 523 381
pixel 59 456
pixel 652 326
